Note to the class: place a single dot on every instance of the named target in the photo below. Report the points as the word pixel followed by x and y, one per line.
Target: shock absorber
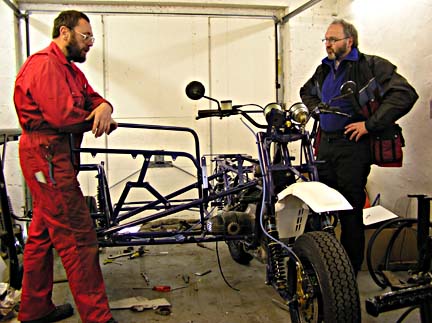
pixel 219 188
pixel 277 273
pixel 99 199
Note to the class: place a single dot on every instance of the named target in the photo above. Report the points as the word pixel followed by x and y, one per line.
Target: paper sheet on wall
pixel 377 214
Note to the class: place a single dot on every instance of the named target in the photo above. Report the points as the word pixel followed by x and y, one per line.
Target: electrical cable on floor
pixel 221 271
pixel 405 314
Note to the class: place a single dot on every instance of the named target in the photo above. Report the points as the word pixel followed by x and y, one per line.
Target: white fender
pixel 294 202
pixel 318 196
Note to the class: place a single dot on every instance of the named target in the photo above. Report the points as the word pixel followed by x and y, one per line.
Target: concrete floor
pixel 206 299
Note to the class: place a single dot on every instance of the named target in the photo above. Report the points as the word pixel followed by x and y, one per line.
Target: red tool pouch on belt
pixel 387 146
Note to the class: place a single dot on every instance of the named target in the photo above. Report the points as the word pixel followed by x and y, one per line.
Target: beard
pixel 338 53
pixel 74 52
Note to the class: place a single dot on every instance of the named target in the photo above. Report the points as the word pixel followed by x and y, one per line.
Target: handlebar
pixel 276 117
pixel 213 113
pixel 322 108
pixel 226 113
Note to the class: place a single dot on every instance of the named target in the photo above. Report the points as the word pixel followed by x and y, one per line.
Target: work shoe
pixel 111 320
pixel 61 312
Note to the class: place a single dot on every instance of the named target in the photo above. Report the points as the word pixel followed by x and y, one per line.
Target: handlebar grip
pixel 215 113
pixel 324 108
pixel 208 113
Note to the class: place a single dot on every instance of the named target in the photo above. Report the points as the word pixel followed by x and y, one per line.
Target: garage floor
pixel 206 298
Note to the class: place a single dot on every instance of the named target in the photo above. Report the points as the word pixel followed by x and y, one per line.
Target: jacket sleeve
pixel 309 92
pixel 397 95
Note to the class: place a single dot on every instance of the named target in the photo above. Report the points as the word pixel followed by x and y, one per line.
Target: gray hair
pixel 348 29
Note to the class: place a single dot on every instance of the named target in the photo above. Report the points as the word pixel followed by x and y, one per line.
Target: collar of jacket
pixel 358 69
pixel 352 56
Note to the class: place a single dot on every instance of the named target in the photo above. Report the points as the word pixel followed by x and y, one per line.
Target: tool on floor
pixel 281 305
pixel 162 288
pixel 137 254
pixel 203 273
pixel 139 303
pixel 158 288
pixel 186 278
pixel 126 254
pixel 147 280
pixel 111 261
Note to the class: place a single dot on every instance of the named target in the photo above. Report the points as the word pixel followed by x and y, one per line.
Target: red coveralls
pixel 51 94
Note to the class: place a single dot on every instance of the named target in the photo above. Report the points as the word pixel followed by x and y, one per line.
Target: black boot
pixel 60 313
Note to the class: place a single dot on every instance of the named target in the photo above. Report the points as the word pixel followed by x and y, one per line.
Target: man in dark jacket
pixel 382 97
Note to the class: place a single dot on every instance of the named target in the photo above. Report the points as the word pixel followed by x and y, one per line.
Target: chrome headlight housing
pixel 299 113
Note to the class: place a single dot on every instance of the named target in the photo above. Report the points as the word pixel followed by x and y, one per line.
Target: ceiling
pixel 276 8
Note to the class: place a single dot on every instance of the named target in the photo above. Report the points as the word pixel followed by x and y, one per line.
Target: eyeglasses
pixel 332 40
pixel 86 37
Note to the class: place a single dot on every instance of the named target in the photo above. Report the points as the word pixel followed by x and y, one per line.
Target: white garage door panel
pixel 242 56
pixel 149 62
pixel 243 70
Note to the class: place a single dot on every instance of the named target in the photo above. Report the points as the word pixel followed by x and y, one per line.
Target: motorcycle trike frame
pixel 110 216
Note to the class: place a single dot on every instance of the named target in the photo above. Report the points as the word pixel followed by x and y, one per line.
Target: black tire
pixel 238 253
pixel 328 281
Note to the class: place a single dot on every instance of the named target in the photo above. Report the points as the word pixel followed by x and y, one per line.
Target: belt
pixel 43 131
pixel 334 134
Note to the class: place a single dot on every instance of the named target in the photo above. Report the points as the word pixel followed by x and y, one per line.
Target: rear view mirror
pixel 348 88
pixel 195 90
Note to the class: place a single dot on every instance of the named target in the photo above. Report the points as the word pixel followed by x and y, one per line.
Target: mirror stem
pixel 214 100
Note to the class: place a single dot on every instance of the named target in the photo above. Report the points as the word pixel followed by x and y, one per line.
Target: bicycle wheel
pixel 327 288
pixel 397 250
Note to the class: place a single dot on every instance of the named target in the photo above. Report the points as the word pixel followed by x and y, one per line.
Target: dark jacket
pixel 383 95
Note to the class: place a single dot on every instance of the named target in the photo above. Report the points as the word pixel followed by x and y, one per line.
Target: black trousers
pixel 345 165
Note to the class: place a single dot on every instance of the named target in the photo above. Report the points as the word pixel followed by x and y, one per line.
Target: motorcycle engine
pixel 231 223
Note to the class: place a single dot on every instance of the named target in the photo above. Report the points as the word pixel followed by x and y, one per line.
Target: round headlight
pixel 274 114
pixel 299 113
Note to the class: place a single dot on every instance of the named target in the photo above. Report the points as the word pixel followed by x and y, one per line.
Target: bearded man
pixel 343 151
pixel 54 99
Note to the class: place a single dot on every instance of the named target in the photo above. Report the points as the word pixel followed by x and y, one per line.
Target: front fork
pixel 276 272
pixel 289 280
pixel 293 290
pixel 322 222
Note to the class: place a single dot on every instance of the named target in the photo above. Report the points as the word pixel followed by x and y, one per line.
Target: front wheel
pixel 326 289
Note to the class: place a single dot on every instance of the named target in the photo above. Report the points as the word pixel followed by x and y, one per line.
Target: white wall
pixel 396 30
pixel 8 118
pixel 7 67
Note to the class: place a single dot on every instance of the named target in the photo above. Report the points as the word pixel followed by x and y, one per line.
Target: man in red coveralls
pixel 53 99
